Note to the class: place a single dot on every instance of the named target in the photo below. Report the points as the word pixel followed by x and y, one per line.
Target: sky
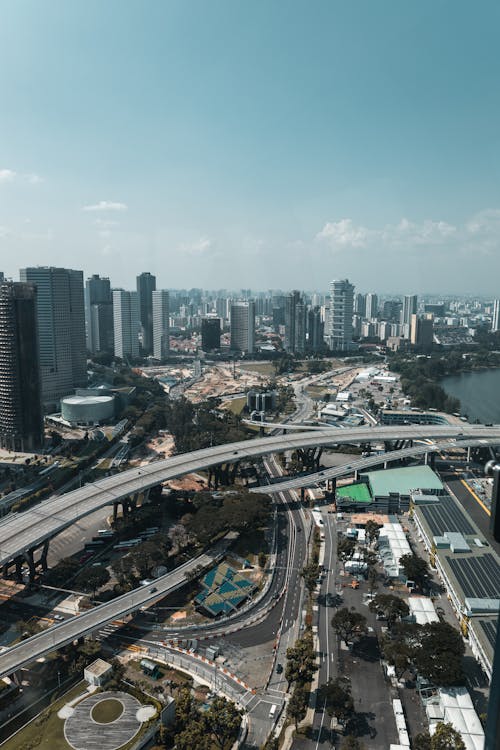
pixel 263 144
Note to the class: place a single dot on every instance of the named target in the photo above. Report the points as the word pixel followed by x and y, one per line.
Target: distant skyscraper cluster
pixel 49 320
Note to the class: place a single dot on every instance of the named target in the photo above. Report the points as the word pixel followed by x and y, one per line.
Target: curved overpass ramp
pixel 318 477
pixel 59 635
pixel 20 532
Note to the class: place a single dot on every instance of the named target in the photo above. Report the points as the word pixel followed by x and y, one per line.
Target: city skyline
pixel 234 141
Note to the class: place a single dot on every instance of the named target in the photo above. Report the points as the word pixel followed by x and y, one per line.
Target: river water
pixel 479 394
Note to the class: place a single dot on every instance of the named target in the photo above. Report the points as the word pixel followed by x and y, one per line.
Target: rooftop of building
pixel 358 492
pixel 403 481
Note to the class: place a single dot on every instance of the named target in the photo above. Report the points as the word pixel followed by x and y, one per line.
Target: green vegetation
pixel 415 569
pixel 445 737
pixel 393 607
pixel 336 696
pixel 435 650
pixel 107 711
pixel 420 376
pixel 349 624
pixel 202 425
pixel 217 727
pixel 211 517
pixel 301 661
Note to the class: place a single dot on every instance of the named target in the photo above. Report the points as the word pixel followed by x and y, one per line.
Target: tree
pixel 271 743
pixel 93 579
pixel 415 569
pixel 262 559
pixel 345 549
pixel 422 741
pixel 446 737
pixel 438 656
pixel 301 661
pixel 393 607
pixel 297 705
pixel 185 710
pixel 222 721
pixel 194 735
pixel 337 699
pixel 372 531
pixel 310 574
pixel 399 654
pixel 348 624
pixel 372 580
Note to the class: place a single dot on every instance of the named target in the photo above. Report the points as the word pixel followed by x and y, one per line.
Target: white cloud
pixel 34 179
pixel 106 206
pixel 199 247
pixel 344 233
pixel 7 175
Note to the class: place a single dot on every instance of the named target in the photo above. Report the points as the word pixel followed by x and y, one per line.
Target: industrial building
pixel 467 565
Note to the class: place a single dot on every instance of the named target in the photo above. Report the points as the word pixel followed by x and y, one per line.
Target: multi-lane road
pixel 20 532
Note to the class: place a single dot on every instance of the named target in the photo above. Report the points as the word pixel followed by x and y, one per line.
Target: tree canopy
pixel 349 624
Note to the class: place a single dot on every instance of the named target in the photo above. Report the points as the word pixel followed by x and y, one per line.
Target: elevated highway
pixel 318 477
pixel 65 632
pixel 20 533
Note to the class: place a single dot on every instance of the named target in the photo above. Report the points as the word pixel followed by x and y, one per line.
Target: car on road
pixel 279 668
pixel 153 590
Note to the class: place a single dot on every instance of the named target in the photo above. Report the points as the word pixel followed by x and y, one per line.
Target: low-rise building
pixel 97 673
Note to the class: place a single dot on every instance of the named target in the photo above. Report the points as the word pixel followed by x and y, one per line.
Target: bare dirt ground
pixel 219 380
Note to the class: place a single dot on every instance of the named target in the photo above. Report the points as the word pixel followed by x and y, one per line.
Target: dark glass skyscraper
pixel 61 330
pixel 21 424
pixel 146 285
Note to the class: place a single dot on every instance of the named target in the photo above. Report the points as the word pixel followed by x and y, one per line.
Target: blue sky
pixel 253 144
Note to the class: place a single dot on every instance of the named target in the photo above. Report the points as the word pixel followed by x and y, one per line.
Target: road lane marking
pixel 476 497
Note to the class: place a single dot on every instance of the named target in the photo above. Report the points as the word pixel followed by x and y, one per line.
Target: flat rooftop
pixel 358 493
pixel 403 481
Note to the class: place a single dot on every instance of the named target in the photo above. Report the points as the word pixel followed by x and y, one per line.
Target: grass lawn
pixel 47 730
pixel 263 368
pixel 107 711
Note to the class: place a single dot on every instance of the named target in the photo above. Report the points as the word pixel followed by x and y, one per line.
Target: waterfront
pixel 479 394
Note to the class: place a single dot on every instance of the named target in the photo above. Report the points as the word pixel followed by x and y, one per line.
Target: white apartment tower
pixel 126 323
pixel 409 309
pixel 495 325
pixel 161 324
pixel 339 330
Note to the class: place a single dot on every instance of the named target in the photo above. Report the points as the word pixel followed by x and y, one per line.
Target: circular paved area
pixel 83 733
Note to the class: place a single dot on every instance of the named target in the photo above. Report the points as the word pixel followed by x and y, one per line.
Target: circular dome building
pixel 88 410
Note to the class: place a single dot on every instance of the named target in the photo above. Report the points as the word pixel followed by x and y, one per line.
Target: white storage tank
pixel 88 410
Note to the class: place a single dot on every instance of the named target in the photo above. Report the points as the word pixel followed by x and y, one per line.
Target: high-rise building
pixel 422 332
pixel 295 323
pixel 495 326
pixel 61 330
pixel 315 330
pixel 371 310
pixel 339 331
pixel 409 309
pixel 161 324
pixel 146 285
pixel 360 305
pixel 98 322
pixel 210 333
pixel 21 423
pixel 242 326
pixel 126 323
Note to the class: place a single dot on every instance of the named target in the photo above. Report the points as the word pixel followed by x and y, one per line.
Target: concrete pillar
pixel 115 511
pixel 468 454
pixel 302 494
pixel 43 558
pixel 19 564
pixel 29 556
pixel 433 460
pixel 385 464
pixel 356 475
pixel 426 458
pixel 334 485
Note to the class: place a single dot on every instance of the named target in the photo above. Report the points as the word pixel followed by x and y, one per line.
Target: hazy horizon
pixel 260 146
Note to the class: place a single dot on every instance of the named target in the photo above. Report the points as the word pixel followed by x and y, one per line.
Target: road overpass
pixel 318 477
pixel 21 533
pixel 65 632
